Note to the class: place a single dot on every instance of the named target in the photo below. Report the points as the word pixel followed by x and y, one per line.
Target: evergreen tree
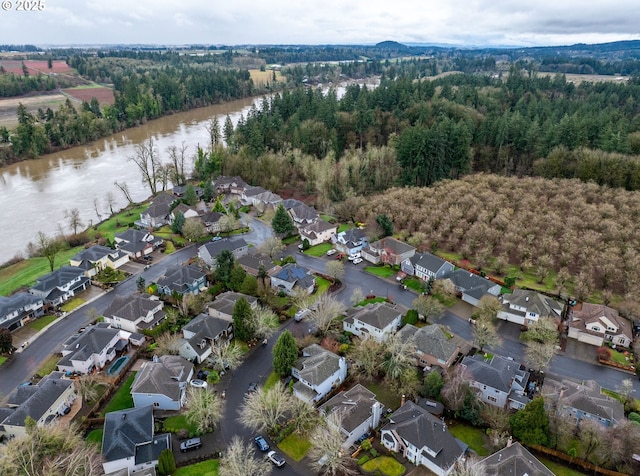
pixel 207 191
pixel 190 196
pixel 285 354
pixel 178 223
pixel 224 266
pixel 242 320
pixel 5 341
pixel 282 223
pixel 386 225
pixel 218 206
pixel 531 424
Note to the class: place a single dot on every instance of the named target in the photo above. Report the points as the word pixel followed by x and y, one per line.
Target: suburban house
pixel 180 190
pixel 162 383
pixel 229 185
pixel 292 277
pixel 597 323
pixel 43 402
pixel 93 348
pixel 251 263
pixel 182 280
pixel 303 215
pixel 211 221
pixel 96 258
pixel 224 303
pixel 432 346
pixel 61 285
pixel 422 438
pixel 259 198
pixel 128 440
pixel 473 287
pixel 157 214
pixel 388 250
pixel 426 266
pixel 514 459
pixel 209 251
pixel 377 321
pixel 317 232
pixel 582 400
pixel 136 243
pixel 186 210
pixel 19 308
pixel 134 313
pixel 351 241
pixel 200 333
pixel 318 372
pixel 499 381
pixel 359 412
pixel 526 307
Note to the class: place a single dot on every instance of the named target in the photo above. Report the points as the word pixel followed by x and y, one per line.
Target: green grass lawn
pixel 620 358
pixel 323 285
pixel 319 250
pixel 118 222
pixel 364 302
pixel 272 379
pixel 344 227
pixel 42 322
pixel 122 399
pixel 445 299
pixel 205 468
pixel 72 304
pixel 470 435
pixel 95 436
pixel 3 359
pixel 384 395
pixel 382 271
pixel 49 365
pixel 295 446
pixel 385 464
pixel 291 239
pixel 413 283
pixel 178 422
pixel 558 469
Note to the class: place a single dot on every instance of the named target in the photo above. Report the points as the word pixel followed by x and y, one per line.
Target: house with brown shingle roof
pixel 597 323
pixel 388 250
pixel 514 459
pixel 134 313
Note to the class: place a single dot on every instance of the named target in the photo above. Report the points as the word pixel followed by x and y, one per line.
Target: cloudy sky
pixel 234 22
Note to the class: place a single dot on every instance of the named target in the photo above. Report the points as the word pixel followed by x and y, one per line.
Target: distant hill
pixel 390 45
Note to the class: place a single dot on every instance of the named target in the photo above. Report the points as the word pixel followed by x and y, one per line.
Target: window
pixel 492 399
pixel 156 404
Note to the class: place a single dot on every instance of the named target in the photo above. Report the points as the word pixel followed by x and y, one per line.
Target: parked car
pixel 202 375
pixel 198 383
pixel 147 258
pixel 216 238
pixel 332 251
pixel 25 384
pixel 301 314
pixel 357 261
pixel 261 443
pixel 275 458
pixel 253 387
pixel 190 444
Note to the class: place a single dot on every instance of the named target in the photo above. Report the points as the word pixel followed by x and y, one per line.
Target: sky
pixel 240 22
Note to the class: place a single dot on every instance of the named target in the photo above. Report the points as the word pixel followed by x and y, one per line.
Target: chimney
pixel 403 400
pixel 509 441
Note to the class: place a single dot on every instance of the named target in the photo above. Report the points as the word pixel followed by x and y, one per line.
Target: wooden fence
pixel 592 468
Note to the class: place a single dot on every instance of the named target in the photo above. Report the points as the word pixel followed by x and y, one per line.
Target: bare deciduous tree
pixel 86 386
pixel 455 388
pixel 398 356
pixel 538 355
pixel 366 358
pixel 239 460
pixel 176 168
pixel 49 247
pixel 335 270
pixel 96 207
pixel 327 455
pixel 272 247
pixel 485 334
pixel 468 466
pixel 326 312
pixel 110 200
pixel 204 409
pixel 124 188
pixel 193 229
pixel 148 162
pixel 224 355
pixel 264 410
pixel 356 296
pixel 429 308
pixel 265 322
pixel 167 344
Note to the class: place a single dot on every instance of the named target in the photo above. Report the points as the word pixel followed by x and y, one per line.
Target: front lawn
pixel 445 299
pixel 322 285
pixel 472 436
pixel 72 304
pixel 122 399
pixel 49 365
pixel 42 322
pixel 344 227
pixel 95 436
pixel 272 379
pixel 205 468
pixel 384 395
pixel 3 359
pixel 620 358
pixel 364 302
pixel 384 464
pixel 319 250
pixel 381 271
pixel 413 283
pixel 295 446
pixel 173 424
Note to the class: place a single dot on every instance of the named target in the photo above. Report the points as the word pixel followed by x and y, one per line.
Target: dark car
pixel 147 258
pixel 190 444
pixel 202 375
pixel 261 443
pixel 253 387
pixel 275 458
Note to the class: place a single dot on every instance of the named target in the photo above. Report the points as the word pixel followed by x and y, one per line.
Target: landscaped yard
pixel 319 250
pixel 72 304
pixel 470 435
pixel 295 446
pixel 205 468
pixel 95 436
pixel 558 469
pixel 49 365
pixel 122 399
pixel 119 222
pixel 382 271
pixel 413 283
pixel 42 322
pixel 364 302
pixel 384 395
pixel 385 464
pixel 272 379
pixel 178 422
pixel 344 227
pixel 323 285
pixel 620 358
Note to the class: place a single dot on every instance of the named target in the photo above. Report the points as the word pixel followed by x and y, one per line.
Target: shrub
pixel 373 452
pixel 634 417
pixel 411 317
pixel 213 377
pixel 363 460
pixel 604 353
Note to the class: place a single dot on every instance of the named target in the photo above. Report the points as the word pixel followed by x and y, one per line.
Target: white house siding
pixel 160 402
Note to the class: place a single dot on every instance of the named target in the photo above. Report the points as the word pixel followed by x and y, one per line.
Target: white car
pixel 353 257
pixel 357 261
pixel 275 458
pixel 198 383
pixel 331 252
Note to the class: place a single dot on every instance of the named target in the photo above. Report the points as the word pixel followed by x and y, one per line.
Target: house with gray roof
pixel 229 185
pixel 222 306
pixel 58 287
pixel 514 459
pixel 252 262
pixel 318 232
pixel 318 372
pixel 20 308
pixel 377 321
pixel 597 323
pixel 422 438
pixel 210 250
pixel 303 215
pixel 432 347
pixel 426 266
pixel 359 412
pixel 135 313
pixel 42 402
pixel 473 287
pixel 582 400
pixel 136 243
pixel 93 348
pixel 292 277
pixel 157 214
pixel 526 307
pixel 259 198
pixel 97 258
pixel 211 221
pixel 351 241
pixel 186 210
pixel 499 381
pixel 201 333
pixel 388 250
pixel 162 383
pixel 128 440
pixel 182 280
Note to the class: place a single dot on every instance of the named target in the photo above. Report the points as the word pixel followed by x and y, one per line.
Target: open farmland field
pixel 83 93
pixel 589 78
pixel 9 107
pixel 35 66
pixel 260 78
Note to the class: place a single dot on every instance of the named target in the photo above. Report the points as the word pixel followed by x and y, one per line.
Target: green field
pixel 319 250
pixel 470 435
pixel 122 399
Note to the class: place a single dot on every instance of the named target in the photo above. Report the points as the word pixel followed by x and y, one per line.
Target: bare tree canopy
pixel 147 160
pixel 204 409
pixel 325 313
pixel 239 460
pixel 49 247
pixel 327 455
pixel 264 410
